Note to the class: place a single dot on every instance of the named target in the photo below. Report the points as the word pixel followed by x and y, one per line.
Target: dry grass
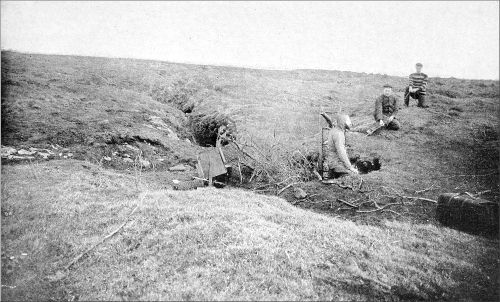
pixel 231 244
pixel 218 244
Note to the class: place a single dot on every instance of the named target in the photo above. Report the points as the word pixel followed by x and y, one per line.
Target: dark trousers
pixel 333 174
pixel 393 125
pixel 416 95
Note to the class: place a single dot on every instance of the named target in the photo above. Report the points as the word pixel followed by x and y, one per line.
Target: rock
pixel 70 154
pixel 44 155
pixel 13 157
pixel 189 185
pixel 299 193
pixel 6 151
pixel 135 149
pixel 145 163
pixel 25 152
pixel 178 168
pixel 187 141
pixel 107 158
pixel 128 160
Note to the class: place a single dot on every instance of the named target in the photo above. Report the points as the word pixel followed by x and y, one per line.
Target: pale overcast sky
pixel 459 39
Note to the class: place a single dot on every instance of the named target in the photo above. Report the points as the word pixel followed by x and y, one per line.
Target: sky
pixel 452 39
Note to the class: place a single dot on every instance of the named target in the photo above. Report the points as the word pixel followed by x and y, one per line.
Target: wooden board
pixel 373 128
pixel 474 215
pixel 210 164
pixel 323 150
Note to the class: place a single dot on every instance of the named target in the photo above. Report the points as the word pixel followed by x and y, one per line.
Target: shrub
pixel 205 125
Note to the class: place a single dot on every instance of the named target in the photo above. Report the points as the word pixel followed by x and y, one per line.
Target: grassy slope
pixel 81 102
pixel 217 244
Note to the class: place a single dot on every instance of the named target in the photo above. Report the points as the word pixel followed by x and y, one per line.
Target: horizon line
pixel 264 68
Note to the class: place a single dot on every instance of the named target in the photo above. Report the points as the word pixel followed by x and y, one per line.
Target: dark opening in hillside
pixel 205 127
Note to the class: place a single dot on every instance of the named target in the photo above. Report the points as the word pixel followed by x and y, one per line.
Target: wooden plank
pixel 373 128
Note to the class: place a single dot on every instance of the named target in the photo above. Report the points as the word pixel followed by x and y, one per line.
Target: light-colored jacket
pixel 336 157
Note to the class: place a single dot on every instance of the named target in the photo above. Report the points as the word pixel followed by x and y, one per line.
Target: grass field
pixel 231 243
pixel 217 244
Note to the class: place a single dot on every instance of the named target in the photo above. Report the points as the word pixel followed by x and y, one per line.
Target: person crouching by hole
pixel 386 108
pixel 336 158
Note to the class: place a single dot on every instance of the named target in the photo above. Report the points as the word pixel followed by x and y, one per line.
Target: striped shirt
pixel 418 80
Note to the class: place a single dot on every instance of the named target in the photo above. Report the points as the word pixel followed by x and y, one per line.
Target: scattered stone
pixel 44 155
pixel 6 151
pixel 178 168
pixel 6 213
pixel 14 157
pixel 60 154
pixel 161 159
pixel 189 185
pixel 128 160
pixel 126 155
pixel 187 141
pixel 107 158
pixel 70 154
pixel 25 152
pixel 135 149
pixel 145 163
pixel 299 193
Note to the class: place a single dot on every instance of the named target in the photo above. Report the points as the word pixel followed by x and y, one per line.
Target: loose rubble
pixel 11 153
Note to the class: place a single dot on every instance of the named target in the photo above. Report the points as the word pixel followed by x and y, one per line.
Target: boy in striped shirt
pixel 416 89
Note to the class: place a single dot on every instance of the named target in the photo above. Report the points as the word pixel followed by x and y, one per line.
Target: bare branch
pixel 348 203
pixel 286 187
pixel 379 208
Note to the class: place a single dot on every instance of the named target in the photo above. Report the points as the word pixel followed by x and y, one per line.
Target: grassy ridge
pixel 217 244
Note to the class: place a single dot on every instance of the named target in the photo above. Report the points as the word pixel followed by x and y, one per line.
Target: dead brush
pixel 274 165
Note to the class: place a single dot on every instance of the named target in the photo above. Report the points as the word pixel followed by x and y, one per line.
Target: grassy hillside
pixel 216 244
pixel 111 128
